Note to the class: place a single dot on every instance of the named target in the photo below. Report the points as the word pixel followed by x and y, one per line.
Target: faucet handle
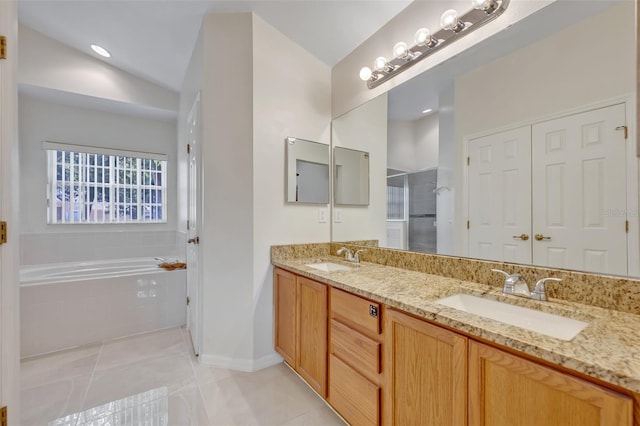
pixel 540 291
pixel 502 272
pixel 356 255
pixel 510 281
pixel 347 253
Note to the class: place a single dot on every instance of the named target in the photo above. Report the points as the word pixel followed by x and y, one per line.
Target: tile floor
pixel 154 379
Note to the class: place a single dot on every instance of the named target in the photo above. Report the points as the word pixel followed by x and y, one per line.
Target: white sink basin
pixel 328 266
pixel 541 322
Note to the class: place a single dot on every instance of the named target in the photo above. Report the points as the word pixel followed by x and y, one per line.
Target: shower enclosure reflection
pixel 411 210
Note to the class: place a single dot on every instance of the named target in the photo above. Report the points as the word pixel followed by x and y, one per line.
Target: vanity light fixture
pixel 454 26
pixel 100 51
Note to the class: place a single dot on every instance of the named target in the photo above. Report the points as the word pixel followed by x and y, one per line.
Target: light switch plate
pixel 323 212
pixel 337 215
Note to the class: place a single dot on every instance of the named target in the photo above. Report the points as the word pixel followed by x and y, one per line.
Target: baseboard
pixel 248 365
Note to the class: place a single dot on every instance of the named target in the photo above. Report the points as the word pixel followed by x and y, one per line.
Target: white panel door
pixel 194 127
pixel 500 196
pixel 579 192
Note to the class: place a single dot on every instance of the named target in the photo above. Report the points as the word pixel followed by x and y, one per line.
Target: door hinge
pixel 3 232
pixel 188 148
pixel 626 226
pixel 468 224
pixel 188 225
pixel 3 416
pixel 468 161
pixel 626 131
pixel 3 47
pixel 188 300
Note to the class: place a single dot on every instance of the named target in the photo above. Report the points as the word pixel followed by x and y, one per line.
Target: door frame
pixel 632 168
pixel 197 303
pixel 9 212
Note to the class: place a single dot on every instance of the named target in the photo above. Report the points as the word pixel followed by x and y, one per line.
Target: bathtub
pixel 73 304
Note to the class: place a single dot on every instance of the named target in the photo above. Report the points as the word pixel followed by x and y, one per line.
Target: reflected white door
pixel 500 196
pixel 579 192
pixel 194 129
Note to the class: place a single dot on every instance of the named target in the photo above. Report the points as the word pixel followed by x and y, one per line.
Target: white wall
pixel 412 145
pixel 45 121
pixel 349 91
pixel 426 131
pixel 40 120
pixel 268 88
pixel 46 63
pixel 291 97
pixel 400 145
pixel 226 235
pixel 365 129
pixel 445 204
pixel 566 70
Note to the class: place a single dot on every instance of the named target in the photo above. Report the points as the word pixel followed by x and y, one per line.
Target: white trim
pixel 247 365
pixel 59 146
pixel 9 212
pixel 633 192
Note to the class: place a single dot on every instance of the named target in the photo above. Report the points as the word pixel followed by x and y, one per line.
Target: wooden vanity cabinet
pixel 376 365
pixel 300 309
pixel 438 377
pixel 426 373
pixel 506 390
pixel 355 358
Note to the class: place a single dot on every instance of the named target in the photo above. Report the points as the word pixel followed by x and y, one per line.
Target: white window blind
pixel 95 185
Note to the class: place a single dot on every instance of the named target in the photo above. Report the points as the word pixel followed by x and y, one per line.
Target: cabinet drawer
pixel 353 396
pixel 356 349
pixel 354 310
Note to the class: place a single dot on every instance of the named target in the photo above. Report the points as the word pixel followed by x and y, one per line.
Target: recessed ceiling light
pixel 427 111
pixel 101 51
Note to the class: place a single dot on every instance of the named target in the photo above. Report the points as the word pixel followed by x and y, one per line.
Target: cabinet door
pixel 427 375
pixel 284 299
pixel 507 390
pixel 312 333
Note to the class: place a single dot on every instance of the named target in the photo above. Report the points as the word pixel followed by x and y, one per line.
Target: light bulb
pixel 380 63
pixel 449 21
pixel 422 36
pixel 400 50
pixel 101 50
pixel 365 73
pixel 488 6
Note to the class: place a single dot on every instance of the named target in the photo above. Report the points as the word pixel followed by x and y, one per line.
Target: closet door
pixel 500 196
pixel 579 192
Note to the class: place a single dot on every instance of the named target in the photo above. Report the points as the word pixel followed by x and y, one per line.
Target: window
pixel 94 185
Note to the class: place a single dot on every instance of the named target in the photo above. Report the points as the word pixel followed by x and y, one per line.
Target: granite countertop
pixel 608 349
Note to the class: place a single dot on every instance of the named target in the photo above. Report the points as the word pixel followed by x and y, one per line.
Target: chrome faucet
pixel 349 255
pixel 516 285
pixel 540 291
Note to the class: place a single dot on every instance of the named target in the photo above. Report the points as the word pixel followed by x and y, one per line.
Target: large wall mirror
pixel 514 150
pixel 307 173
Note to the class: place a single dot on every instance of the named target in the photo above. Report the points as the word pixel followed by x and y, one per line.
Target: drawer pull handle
pixel 373 311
